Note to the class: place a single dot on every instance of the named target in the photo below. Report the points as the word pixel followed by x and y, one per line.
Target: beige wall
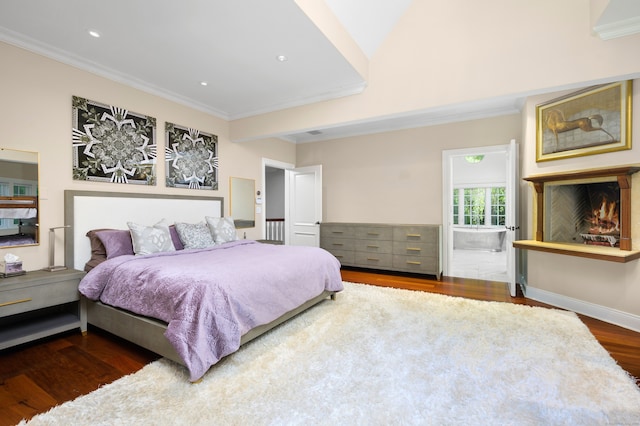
pixel 36 115
pixel 396 177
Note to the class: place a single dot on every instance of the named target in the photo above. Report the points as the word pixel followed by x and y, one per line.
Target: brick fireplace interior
pixel 586 213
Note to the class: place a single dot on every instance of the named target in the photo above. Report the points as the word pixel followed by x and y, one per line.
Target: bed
pixel 298 278
pixel 24 209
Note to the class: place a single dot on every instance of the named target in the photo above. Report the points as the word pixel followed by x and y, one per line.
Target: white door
pixel 508 155
pixel 305 206
pixel 511 219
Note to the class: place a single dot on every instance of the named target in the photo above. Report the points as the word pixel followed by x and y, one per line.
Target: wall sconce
pixel 52 247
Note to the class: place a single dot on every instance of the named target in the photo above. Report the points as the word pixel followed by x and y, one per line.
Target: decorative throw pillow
pixel 151 239
pixel 116 242
pixel 175 238
pixel 222 228
pixel 194 235
pixel 98 252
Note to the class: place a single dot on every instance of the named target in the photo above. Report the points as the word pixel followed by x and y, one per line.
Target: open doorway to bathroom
pixel 479 243
pixel 479 211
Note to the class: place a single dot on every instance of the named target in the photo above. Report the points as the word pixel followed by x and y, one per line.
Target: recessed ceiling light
pixel 94 33
pixel 282 58
pixel 203 83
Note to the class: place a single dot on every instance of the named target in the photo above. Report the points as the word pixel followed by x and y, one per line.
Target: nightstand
pixel 39 304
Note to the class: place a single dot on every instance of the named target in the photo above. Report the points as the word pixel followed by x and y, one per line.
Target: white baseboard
pixel 603 313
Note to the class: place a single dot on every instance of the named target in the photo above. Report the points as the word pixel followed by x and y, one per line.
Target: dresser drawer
pixel 30 298
pixel 333 243
pixel 373 260
pixel 418 264
pixel 409 248
pixel 373 246
pixel 374 233
pixel 415 233
pixel 345 257
pixel 342 230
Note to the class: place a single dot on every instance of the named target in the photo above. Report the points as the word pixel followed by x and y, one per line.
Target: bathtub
pixel 487 239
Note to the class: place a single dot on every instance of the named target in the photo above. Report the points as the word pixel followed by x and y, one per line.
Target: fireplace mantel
pixel 623 176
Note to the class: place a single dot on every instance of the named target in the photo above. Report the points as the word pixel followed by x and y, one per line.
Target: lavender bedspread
pixel 211 297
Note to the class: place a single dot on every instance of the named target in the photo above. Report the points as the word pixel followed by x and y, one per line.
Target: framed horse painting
pixel 591 121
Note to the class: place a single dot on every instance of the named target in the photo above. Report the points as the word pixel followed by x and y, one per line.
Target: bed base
pixel 149 333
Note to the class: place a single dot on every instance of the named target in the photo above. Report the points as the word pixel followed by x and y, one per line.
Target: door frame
pixel 266 162
pixel 511 158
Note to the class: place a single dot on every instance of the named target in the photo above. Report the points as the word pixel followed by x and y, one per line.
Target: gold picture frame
pixel 591 121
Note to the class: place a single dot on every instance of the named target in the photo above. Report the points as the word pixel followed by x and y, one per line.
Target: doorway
pixel 274 200
pixel 479 201
pixel 292 199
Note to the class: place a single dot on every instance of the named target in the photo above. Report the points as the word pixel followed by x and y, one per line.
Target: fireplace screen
pixel 587 213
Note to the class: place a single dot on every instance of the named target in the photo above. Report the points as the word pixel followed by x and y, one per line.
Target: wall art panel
pixel 112 144
pixel 191 158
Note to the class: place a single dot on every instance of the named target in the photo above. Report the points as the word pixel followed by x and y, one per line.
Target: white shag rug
pixel 385 356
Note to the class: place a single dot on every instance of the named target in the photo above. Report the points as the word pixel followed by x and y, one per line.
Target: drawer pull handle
pixel 336 232
pixel 373 233
pixel 338 244
pixel 413 249
pixel 413 262
pixel 414 235
pixel 373 259
pixel 15 302
pixel 372 246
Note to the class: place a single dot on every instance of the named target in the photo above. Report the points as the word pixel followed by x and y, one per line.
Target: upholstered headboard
pixel 86 210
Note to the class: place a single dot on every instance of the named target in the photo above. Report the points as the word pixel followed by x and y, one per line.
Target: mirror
pixel 242 202
pixel 19 210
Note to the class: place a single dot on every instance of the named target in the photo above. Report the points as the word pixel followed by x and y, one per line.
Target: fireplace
pixel 587 213
pixel 584 213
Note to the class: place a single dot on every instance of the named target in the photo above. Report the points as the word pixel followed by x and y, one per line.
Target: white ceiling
pixel 169 47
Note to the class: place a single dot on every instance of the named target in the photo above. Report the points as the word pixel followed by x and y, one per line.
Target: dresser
pixel 39 304
pixel 392 247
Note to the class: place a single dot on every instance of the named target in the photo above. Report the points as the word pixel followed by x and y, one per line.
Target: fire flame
pixel 605 219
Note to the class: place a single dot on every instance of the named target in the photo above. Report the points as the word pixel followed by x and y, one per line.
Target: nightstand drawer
pixel 30 298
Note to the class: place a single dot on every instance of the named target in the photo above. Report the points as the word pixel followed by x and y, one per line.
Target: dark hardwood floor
pixel 37 376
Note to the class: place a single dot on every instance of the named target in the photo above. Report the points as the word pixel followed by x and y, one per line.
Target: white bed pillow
pixel 223 229
pixel 195 235
pixel 151 239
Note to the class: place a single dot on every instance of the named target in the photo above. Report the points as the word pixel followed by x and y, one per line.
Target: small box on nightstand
pixel 10 269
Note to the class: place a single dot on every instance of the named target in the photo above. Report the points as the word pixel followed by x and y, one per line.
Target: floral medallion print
pixel 191 158
pixel 112 144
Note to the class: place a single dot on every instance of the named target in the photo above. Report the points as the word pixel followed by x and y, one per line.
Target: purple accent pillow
pixel 98 252
pixel 116 242
pixel 177 243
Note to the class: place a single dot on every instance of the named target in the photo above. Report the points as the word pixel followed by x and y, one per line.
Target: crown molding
pixel 618 29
